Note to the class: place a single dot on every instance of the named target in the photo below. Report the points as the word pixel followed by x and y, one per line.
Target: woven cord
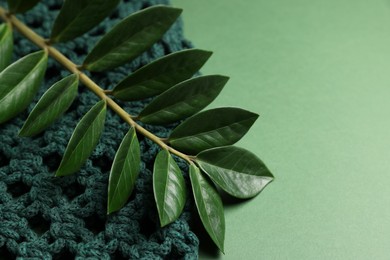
pixel 43 217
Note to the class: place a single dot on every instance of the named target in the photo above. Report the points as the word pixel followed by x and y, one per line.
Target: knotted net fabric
pixel 44 217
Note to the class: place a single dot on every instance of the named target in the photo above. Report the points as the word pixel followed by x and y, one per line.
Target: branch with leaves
pixel 204 139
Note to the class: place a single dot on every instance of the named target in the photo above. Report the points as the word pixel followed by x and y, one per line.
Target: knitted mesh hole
pixel 39 224
pixel 18 189
pixel 65 254
pixel 50 240
pixel 36 23
pixel 79 51
pixel 98 31
pixel 52 161
pixel 103 162
pixel 171 254
pixel 55 6
pixel 95 224
pixel 145 5
pixel 4 160
pixel 166 47
pixel 74 191
pixel 75 104
pixel 115 14
pixel 147 226
pixel 5 254
pixel 117 256
pixel 52 71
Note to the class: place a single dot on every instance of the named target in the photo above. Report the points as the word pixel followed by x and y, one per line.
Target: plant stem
pixel 88 82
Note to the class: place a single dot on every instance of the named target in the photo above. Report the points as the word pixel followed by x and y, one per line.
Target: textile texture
pixel 45 217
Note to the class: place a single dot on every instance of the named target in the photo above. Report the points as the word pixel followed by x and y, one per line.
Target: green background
pixel 318 72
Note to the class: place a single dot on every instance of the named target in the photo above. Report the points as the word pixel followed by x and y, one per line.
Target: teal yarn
pixel 43 217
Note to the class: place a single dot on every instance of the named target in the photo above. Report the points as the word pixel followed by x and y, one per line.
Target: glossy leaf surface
pixel 169 188
pixel 131 37
pixel 83 140
pixel 124 172
pixel 209 205
pixel 236 170
pixel 212 128
pixel 19 83
pixel 183 100
pixel 21 6
pixel 160 75
pixel 79 16
pixel 56 100
pixel 6 45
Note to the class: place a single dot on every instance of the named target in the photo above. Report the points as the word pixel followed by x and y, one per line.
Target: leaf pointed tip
pixel 163 224
pixel 220 244
pixel 255 116
pixel 206 53
pixel 179 11
pixel 110 209
pixel 223 78
pixel 221 247
pixel 165 221
pixel 61 172
pixel 176 10
pixel 22 133
pixel 270 179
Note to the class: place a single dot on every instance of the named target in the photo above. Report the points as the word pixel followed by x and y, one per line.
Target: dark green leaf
pixel 132 36
pixel 79 16
pixel 51 106
pixel 160 75
pixel 236 170
pixel 183 100
pixel 6 45
pixel 212 128
pixel 169 188
pixel 84 140
pixel 209 205
pixel 124 172
pixel 21 6
pixel 19 83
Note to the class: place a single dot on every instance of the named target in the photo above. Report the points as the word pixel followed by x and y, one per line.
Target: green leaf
pixel 79 16
pixel 84 140
pixel 161 74
pixel 6 45
pixel 19 83
pixel 183 100
pixel 212 128
pixel 124 172
pixel 21 6
pixel 169 188
pixel 131 37
pixel 209 205
pixel 236 170
pixel 56 100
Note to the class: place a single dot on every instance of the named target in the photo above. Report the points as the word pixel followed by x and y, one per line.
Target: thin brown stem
pixel 88 82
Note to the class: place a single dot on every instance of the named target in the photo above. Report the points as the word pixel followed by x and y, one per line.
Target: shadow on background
pixel 230 202
pixel 207 248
